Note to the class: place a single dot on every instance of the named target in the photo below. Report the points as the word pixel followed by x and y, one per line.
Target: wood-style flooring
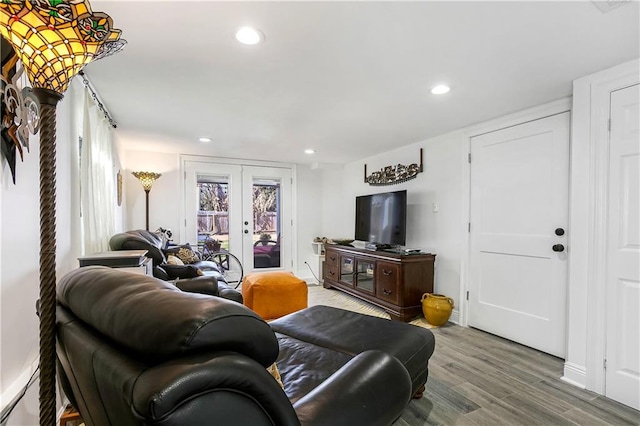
pixel 478 379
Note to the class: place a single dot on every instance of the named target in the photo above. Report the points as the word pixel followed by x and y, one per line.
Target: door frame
pixel 542 111
pixel 184 158
pixel 584 365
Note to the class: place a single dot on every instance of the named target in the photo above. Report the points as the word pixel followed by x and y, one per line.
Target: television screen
pixel 382 218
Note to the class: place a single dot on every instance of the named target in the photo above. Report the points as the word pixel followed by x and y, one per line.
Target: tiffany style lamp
pixel 54 39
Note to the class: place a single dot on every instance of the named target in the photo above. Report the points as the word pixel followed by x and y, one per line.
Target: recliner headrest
pixel 140 239
pixel 158 321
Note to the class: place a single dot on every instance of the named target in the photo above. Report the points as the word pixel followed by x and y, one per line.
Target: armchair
pixel 133 350
pixel 185 277
pixel 266 253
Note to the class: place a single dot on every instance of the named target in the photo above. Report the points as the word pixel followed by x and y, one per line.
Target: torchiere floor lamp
pixel 54 39
pixel 147 179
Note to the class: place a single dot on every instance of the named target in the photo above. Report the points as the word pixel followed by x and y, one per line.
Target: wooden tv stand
pixel 394 282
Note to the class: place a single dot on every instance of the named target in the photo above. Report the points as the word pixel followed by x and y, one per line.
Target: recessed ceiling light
pixel 248 35
pixel 309 151
pixel 440 89
pixel 204 139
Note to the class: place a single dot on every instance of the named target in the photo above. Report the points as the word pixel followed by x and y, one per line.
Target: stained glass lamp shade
pixel 147 179
pixel 55 39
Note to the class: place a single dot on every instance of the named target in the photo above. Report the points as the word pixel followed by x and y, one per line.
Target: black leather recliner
pixel 134 350
pixel 185 275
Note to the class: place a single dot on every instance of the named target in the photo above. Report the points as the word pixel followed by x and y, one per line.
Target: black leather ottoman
pixel 333 336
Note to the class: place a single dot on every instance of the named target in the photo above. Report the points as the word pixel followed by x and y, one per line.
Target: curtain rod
pixel 96 98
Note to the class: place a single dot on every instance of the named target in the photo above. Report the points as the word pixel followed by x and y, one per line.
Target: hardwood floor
pixel 479 379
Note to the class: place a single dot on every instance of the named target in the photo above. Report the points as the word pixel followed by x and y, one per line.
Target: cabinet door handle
pixel 332 258
pixel 387 292
pixel 386 272
pixel 332 273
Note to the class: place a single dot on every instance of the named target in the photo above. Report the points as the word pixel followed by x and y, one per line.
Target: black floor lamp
pixel 147 179
pixel 54 40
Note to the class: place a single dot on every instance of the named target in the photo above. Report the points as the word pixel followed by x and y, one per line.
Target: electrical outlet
pixel 435 208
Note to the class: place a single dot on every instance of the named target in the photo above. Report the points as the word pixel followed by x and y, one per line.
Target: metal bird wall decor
pixel 19 110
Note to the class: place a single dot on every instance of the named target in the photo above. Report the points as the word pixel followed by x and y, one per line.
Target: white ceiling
pixel 348 79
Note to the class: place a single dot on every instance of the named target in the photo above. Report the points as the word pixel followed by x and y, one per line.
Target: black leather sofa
pixel 184 276
pixel 135 350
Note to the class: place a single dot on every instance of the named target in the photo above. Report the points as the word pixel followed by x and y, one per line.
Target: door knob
pixel 559 232
pixel 558 247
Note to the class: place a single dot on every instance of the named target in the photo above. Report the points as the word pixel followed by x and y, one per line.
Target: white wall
pixel 308 219
pixel 19 274
pixel 20 247
pixel 440 183
pixel 164 197
pixel 19 253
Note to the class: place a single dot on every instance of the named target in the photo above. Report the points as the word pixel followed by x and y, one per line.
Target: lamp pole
pixel 146 191
pixel 48 100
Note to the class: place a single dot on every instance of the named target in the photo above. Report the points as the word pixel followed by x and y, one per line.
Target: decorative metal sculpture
pixel 392 175
pixel 20 112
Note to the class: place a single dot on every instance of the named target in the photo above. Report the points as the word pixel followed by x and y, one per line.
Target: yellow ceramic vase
pixel 436 308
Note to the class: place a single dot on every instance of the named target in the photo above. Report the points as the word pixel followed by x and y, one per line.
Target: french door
pixel 247 209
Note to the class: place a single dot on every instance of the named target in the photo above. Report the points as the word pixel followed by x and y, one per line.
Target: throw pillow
pixel 184 252
pixel 187 255
pixel 174 260
pixel 273 369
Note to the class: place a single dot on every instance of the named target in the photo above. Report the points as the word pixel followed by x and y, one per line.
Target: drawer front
pixel 331 258
pixel 331 272
pixel 388 282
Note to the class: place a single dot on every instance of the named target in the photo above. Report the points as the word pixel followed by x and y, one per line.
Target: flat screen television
pixel 382 218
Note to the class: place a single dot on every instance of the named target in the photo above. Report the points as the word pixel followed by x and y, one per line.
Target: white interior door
pixel 267 200
pixel 519 215
pixel 622 374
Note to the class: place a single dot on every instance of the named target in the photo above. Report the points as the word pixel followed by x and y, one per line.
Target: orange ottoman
pixel 274 294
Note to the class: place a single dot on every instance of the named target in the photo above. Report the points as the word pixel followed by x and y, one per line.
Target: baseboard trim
pixel 455 317
pixel 14 391
pixel 575 375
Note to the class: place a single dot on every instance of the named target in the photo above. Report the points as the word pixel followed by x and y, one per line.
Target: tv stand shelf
pixel 392 281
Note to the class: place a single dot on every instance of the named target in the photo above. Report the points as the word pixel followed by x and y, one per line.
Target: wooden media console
pixel 395 282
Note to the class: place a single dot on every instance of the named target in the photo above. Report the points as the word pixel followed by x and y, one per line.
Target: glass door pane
pixel 364 276
pixel 346 269
pixel 213 213
pixel 266 223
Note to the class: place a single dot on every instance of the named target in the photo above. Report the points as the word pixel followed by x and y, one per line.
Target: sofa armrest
pixel 202 285
pixel 222 388
pixel 371 389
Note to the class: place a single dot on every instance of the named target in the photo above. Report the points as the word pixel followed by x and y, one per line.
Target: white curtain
pixel 97 179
